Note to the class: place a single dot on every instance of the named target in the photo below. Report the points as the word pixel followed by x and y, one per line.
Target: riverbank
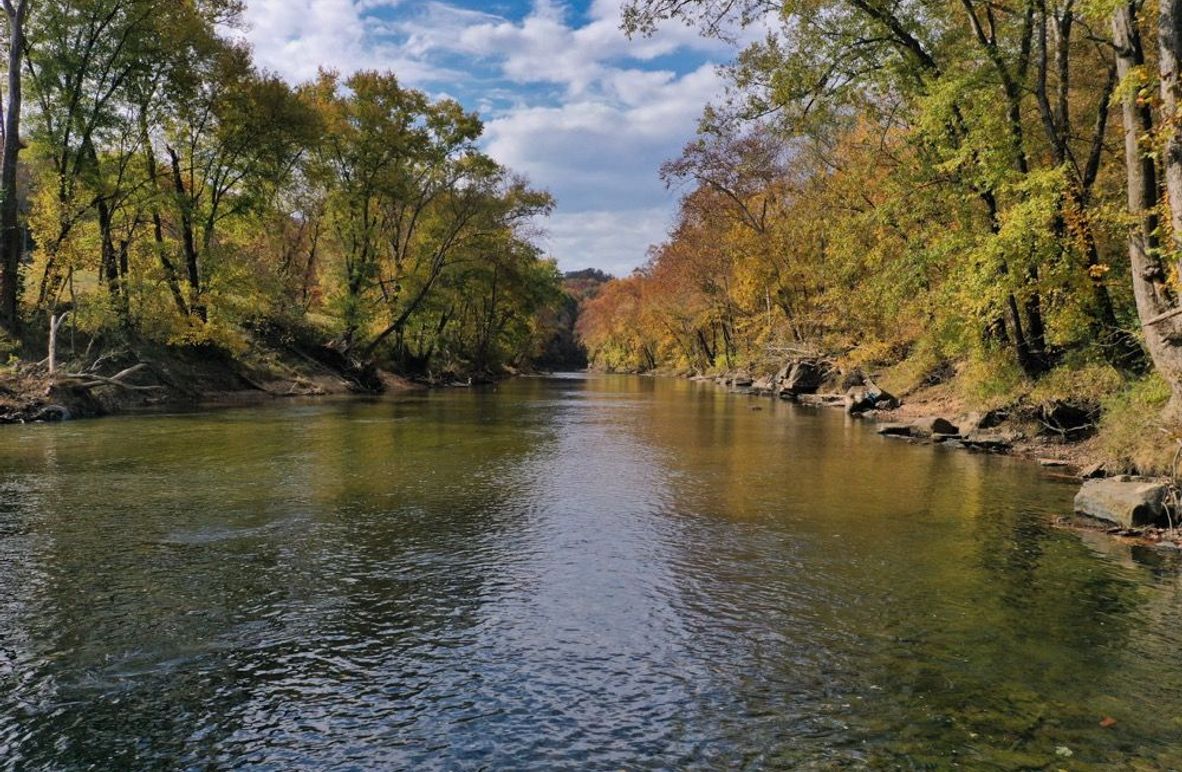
pixel 139 374
pixel 1060 436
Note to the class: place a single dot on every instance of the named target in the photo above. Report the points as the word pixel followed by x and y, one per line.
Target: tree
pixel 11 237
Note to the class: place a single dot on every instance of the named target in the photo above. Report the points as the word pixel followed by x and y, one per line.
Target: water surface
pixel 594 573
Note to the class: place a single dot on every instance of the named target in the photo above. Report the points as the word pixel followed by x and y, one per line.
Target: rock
pixel 52 413
pixel 1126 501
pixel 1094 472
pixel 853 379
pixel 804 376
pixel 1053 463
pixel 895 430
pixel 994 443
pixel 764 384
pixel 933 425
pixel 817 400
pixel 741 380
pixel 975 422
pixel 868 396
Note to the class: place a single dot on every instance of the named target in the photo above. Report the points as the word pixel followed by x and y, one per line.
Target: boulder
pixel 1126 501
pixel 868 396
pixel 974 422
pixel 933 425
pixel 803 376
pixel 53 413
pixel 741 380
pixel 764 384
pixel 895 430
pixel 853 378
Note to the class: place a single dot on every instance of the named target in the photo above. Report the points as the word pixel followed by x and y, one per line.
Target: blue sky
pixel 567 99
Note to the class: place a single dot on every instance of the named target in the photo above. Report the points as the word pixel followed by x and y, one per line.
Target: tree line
pixel 155 181
pixel 974 180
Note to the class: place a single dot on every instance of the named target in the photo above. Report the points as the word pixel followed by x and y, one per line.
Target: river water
pixel 581 572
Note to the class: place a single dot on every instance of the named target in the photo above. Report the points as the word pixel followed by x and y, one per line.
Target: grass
pixel 1133 436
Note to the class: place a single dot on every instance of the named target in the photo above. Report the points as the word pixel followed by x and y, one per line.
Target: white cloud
pixel 597 153
pixel 612 241
pixel 296 38
pixel 581 109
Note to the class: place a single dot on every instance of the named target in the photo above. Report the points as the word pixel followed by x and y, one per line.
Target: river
pixel 587 572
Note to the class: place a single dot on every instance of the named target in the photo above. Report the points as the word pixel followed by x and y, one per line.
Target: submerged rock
pixel 817 400
pixel 1126 501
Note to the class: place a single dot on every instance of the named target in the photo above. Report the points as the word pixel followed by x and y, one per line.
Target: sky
pixel 566 97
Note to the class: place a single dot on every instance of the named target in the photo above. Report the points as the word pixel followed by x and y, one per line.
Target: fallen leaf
pixel 1108 722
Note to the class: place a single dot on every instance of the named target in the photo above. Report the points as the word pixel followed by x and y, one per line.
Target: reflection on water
pixel 594 572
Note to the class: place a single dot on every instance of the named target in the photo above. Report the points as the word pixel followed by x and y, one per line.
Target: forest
pixel 977 191
pixel 158 186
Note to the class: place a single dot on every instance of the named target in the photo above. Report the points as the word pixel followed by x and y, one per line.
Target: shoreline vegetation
pixel 176 221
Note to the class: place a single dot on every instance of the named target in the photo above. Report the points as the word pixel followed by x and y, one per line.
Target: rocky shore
pixel 1148 509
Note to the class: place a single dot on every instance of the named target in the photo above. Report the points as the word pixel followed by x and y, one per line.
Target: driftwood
pixel 90 380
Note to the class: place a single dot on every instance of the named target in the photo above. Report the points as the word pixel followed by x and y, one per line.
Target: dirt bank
pixel 141 374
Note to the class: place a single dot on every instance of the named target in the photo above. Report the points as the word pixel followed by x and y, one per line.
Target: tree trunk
pixel 188 240
pixel 170 272
pixel 11 239
pixel 1169 38
pixel 1150 290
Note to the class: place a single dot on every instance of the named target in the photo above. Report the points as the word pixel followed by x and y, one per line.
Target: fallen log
pixel 90 380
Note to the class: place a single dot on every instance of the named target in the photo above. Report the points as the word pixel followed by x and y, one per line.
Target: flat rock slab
pixel 995 443
pixel 1126 501
pixel 895 430
pixel 816 400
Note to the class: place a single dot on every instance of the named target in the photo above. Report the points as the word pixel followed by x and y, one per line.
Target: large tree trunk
pixel 1169 37
pixel 1163 335
pixel 11 239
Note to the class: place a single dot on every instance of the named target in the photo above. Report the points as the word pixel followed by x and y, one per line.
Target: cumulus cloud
pixel 615 241
pixel 577 106
pixel 296 38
